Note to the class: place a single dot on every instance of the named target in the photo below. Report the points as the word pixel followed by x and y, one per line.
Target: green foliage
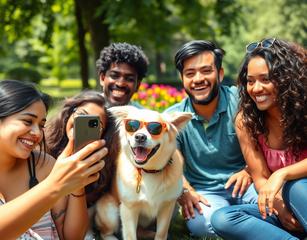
pixel 24 74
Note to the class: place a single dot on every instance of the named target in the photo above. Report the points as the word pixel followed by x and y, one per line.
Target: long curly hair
pixel 123 53
pixel 56 138
pixel 287 70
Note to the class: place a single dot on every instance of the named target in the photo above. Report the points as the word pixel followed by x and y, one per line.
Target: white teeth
pixel 261 98
pixel 200 88
pixel 118 93
pixel 28 142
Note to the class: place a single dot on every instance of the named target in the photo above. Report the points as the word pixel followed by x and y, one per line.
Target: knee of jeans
pixel 200 226
pixel 220 220
pixel 293 187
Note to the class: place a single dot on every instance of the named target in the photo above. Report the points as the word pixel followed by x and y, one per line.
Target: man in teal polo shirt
pixel 214 175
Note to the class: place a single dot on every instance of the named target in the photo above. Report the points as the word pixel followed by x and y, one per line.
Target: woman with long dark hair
pixel 272 130
pixel 32 183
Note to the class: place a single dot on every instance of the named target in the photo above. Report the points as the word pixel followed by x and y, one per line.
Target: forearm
pixel 76 217
pixel 19 214
pixel 294 171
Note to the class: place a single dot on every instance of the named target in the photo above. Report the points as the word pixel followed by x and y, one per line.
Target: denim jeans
pixel 200 226
pixel 245 221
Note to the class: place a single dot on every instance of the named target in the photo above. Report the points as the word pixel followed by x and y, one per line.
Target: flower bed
pixel 158 96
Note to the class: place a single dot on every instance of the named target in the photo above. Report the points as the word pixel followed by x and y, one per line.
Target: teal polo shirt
pixel 211 149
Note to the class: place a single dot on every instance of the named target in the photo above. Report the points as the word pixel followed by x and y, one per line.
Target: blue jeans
pixel 200 226
pixel 245 221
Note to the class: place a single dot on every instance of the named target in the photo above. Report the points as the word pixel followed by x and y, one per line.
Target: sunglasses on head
pixel 154 128
pixel 266 43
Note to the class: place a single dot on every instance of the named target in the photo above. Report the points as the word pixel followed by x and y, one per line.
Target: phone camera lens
pixel 93 123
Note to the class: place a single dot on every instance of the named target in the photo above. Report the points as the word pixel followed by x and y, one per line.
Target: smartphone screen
pixel 86 130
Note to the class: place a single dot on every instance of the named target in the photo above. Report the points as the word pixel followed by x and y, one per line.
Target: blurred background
pixel 55 43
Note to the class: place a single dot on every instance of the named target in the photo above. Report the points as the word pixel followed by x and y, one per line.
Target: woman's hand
pixel 72 172
pixel 285 216
pixel 267 193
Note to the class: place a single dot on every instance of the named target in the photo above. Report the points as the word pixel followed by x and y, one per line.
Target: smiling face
pixel 119 83
pixel 259 87
pixel 201 78
pixel 21 132
pixel 87 109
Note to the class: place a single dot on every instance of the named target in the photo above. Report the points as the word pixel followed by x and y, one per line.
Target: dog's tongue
pixel 141 154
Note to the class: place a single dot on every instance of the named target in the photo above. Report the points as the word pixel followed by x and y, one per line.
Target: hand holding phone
pixel 86 130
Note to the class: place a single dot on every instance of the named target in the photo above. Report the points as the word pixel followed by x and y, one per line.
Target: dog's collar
pixel 139 176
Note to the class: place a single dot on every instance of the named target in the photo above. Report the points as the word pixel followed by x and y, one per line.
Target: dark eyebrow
pixel 32 115
pixel 125 74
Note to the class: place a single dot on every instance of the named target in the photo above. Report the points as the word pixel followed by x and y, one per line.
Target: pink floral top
pixel 277 159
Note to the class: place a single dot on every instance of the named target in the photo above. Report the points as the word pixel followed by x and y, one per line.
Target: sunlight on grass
pixel 63 88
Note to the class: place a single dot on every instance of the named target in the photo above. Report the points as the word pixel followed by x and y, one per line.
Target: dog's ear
pixel 121 112
pixel 178 119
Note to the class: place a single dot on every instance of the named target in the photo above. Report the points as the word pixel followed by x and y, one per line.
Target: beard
pixel 212 95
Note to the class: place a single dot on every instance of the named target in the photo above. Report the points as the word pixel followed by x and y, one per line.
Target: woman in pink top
pixel 272 130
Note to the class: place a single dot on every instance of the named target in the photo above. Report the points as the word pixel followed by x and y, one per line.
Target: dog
pixel 148 177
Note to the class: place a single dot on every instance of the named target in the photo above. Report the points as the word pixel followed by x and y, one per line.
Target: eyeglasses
pixel 266 43
pixel 154 128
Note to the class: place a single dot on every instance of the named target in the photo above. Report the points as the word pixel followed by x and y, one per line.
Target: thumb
pixel 68 150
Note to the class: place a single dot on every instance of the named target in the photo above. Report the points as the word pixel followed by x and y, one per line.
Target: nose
pixel 140 138
pixel 122 80
pixel 199 77
pixel 36 131
pixel 257 86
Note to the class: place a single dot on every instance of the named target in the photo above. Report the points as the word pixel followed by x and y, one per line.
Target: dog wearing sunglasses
pixel 148 177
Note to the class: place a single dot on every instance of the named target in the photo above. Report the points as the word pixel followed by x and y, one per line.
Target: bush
pixel 24 74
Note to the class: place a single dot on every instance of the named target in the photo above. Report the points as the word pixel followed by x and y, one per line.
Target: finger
pixel 95 157
pixel 236 188
pixel 190 208
pixel 94 168
pixel 270 201
pixel 262 205
pixel 183 212
pixel 244 186
pixel 186 211
pixel 68 150
pixel 92 178
pixel 230 181
pixel 204 201
pixel 88 149
pixel 198 207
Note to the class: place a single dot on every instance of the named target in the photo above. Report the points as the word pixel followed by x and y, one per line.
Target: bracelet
pixel 80 195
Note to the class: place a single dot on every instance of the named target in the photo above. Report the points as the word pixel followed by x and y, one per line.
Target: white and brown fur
pixel 158 189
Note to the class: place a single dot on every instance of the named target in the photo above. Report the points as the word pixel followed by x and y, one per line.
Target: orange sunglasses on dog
pixel 154 128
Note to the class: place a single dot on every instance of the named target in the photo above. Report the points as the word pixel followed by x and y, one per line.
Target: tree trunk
pixel 98 30
pixel 82 49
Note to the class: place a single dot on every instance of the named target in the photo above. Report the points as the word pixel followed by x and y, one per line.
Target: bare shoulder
pixel 239 121
pixel 45 163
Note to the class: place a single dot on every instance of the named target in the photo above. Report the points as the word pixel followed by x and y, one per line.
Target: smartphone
pixel 86 130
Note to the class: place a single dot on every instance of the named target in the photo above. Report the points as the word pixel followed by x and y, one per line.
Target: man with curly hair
pixel 121 68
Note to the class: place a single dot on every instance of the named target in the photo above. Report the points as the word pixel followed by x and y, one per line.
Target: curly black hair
pixel 286 62
pixel 123 53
